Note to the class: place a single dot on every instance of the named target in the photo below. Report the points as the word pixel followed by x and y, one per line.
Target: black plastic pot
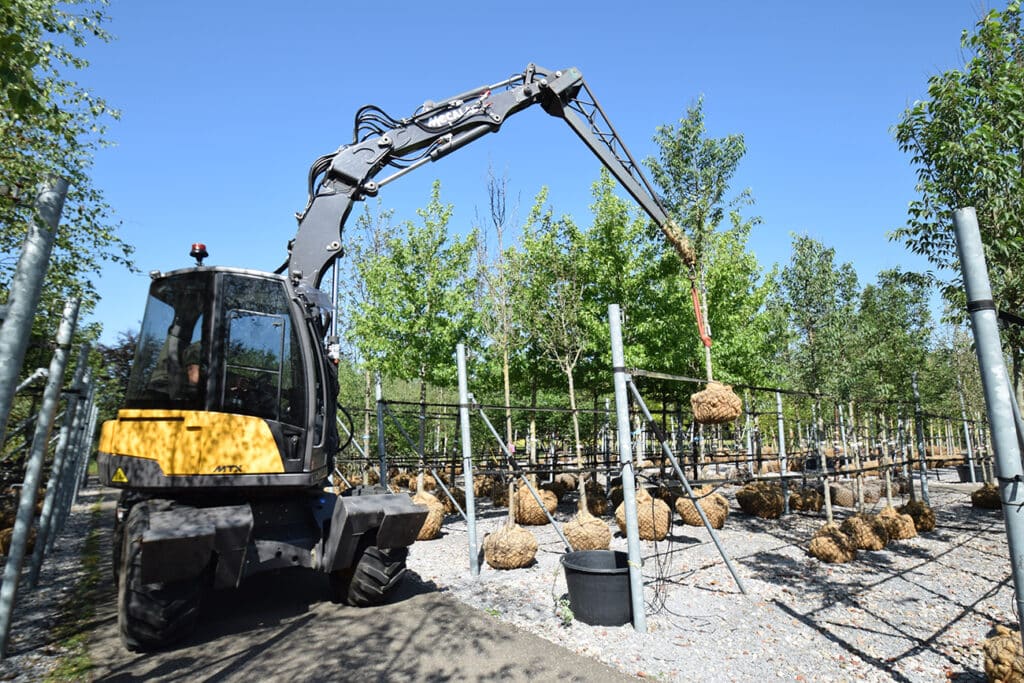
pixel 964 472
pixel 598 582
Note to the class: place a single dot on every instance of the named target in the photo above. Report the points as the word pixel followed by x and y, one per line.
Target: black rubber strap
pixel 981 305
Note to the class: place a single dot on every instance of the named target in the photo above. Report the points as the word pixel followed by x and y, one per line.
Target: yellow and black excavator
pixel 228 431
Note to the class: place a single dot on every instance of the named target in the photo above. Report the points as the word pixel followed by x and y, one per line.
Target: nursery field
pixel 918 610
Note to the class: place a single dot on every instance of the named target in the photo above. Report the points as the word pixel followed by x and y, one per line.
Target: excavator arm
pixel 339 179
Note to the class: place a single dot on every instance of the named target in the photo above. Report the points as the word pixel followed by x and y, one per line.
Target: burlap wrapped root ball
pixel 806 499
pixel 429 483
pixel 528 513
pixel 615 496
pixel 458 494
pixel 653 516
pixel 762 499
pixel 873 490
pixel 587 532
pixel 714 505
pixel 923 516
pixel 568 481
pixel 866 532
pixel 510 547
pixel 716 404
pixel 987 498
pixel 1004 656
pixel 842 495
pixel 597 502
pixel 830 544
pixel 499 492
pixel 435 515
pixel 899 526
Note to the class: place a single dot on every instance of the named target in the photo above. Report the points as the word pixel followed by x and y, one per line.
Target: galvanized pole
pixel 467 459
pixel 636 579
pixel 80 443
pixel 1010 473
pixel 919 429
pixel 381 454
pixel 59 469
pixel 783 460
pixel 967 437
pixel 25 288
pixel 33 471
pixel 83 467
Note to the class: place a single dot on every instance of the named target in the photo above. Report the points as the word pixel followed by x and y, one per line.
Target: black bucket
pixel 598 583
pixel 964 473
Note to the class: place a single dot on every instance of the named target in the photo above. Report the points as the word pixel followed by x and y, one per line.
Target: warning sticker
pixel 119 477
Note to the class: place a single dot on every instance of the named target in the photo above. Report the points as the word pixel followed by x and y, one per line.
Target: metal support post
pixel 33 471
pixel 667 451
pixel 919 430
pixel 636 579
pixel 25 288
pixel 467 459
pixel 967 437
pixel 83 467
pixel 59 469
pixel 81 441
pixel 381 454
pixel 783 460
pixel 1010 473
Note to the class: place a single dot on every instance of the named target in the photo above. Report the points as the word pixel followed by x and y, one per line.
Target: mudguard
pixel 393 519
pixel 181 540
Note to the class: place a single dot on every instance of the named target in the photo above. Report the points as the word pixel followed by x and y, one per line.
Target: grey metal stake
pixel 858 476
pixel 689 491
pixel 33 471
pixel 25 289
pixel 59 469
pixel 1010 473
pixel 783 460
pixel 381 454
pixel 919 429
pixel 636 579
pixel 748 409
pixel 967 436
pixel 526 480
pixel 467 459
pixel 84 466
pixel 78 450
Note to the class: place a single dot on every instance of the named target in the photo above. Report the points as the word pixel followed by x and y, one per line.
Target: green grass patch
pixel 72 630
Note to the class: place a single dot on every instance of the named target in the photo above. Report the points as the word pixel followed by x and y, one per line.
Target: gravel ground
pixel 918 610
pixel 33 650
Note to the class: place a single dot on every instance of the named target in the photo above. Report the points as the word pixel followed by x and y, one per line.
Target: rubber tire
pixel 117 550
pixel 152 616
pixel 376 575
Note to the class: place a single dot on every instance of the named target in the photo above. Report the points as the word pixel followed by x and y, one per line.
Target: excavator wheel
pixel 151 615
pixel 377 573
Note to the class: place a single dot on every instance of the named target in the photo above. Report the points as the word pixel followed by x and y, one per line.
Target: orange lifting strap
pixel 696 311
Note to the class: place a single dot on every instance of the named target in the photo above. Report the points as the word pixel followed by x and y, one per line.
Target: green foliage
pixel 111 369
pixel 820 298
pixel 419 301
pixel 965 142
pixel 892 332
pixel 51 126
pixel 694 172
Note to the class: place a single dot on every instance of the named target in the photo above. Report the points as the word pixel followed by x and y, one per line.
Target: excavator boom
pixel 437 129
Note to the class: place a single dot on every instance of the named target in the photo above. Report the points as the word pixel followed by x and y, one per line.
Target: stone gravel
pixel 33 650
pixel 918 610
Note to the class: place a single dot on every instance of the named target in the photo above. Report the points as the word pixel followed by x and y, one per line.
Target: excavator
pixel 227 435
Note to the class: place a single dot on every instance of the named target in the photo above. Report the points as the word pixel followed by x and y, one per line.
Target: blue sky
pixel 225 104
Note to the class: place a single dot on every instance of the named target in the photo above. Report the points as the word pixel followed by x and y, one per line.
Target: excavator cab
pixel 222 349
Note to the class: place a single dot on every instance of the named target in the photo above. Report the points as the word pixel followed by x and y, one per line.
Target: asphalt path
pixel 280 626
